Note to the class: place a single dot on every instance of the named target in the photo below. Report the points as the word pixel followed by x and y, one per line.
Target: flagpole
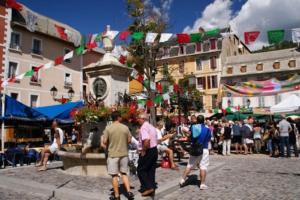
pixel 3 123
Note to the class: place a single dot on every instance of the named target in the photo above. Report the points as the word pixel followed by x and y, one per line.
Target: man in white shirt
pixel 284 129
pixel 53 148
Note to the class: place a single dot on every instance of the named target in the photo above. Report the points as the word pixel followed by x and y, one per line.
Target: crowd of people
pixel 202 137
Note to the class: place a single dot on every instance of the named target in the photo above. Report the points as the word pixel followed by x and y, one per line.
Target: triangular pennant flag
pixel 29 73
pixel 212 32
pixel 58 60
pixel 176 88
pixel 196 37
pixel 152 85
pixel 171 88
pixel 14 5
pixel 122 59
pixel 12 79
pixel 165 89
pixel 134 73
pixel 149 103
pixel 61 32
pixel 165 37
pixel 98 37
pixel 296 35
pixel 137 35
pixel 20 77
pixel 166 96
pixel 150 37
pixel 112 34
pixel 251 36
pixel 158 99
pixel 147 83
pixel 183 38
pixel 123 35
pixel 91 44
pixel 140 78
pixel 159 87
pixel 69 55
pixel 275 36
pixel 141 101
pixel 79 50
pixel 36 69
pixel 48 65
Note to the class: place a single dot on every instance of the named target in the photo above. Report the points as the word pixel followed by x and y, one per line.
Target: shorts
pixel 161 148
pixel 53 148
pixel 237 139
pixel 203 160
pixel 117 165
pixel 247 141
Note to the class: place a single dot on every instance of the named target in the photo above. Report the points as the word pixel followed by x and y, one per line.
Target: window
pixel 34 100
pixel 198 64
pixel 181 67
pixel 37 46
pixel 205 46
pixel 261 102
pixel 14 95
pixel 277 99
pixel 15 41
pixel 198 46
pixel 208 82
pixel 190 49
pixel 12 69
pixel 212 44
pixel 174 51
pixel 35 77
pixel 243 69
pixel 292 63
pixel 201 83
pixel 68 79
pixel 213 62
pixel 66 51
pixel 214 101
pixel 166 51
pixel 276 65
pixel 219 44
pixel 259 67
pixel 165 69
pixel 229 70
pixel 214 81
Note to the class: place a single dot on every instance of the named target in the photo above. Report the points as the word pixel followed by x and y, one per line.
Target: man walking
pixel 148 156
pixel 116 139
pixel 237 137
pixel 284 129
pixel 203 136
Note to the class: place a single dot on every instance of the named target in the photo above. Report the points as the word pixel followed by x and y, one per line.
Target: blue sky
pixel 92 15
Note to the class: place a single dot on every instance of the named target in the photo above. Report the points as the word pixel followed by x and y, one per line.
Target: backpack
pixel 196 148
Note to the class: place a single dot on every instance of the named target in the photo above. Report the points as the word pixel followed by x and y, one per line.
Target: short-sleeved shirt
pixel 148 132
pixel 236 129
pixel 204 137
pixel 284 127
pixel 117 135
pixel 61 136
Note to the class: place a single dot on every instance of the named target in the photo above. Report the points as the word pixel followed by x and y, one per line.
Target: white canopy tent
pixel 289 105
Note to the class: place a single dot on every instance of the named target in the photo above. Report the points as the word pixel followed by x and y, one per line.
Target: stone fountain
pixel 106 79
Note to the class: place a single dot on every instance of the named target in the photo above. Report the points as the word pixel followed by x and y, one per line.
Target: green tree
pixel 144 20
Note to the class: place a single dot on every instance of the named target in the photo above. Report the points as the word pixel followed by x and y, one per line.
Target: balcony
pixel 35 81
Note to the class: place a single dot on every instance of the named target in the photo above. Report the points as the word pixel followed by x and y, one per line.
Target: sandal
pixel 42 169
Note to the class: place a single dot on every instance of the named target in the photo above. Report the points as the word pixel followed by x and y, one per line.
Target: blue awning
pixel 17 110
pixel 60 112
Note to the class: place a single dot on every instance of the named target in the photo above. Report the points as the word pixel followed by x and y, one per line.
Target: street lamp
pixel 164 82
pixel 54 91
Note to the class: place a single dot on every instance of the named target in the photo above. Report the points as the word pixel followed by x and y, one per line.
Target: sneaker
pixel 181 182
pixel 203 187
pixel 130 196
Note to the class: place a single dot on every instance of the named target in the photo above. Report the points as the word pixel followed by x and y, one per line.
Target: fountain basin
pixel 90 164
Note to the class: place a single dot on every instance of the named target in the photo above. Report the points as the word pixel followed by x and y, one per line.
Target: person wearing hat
pixel 148 155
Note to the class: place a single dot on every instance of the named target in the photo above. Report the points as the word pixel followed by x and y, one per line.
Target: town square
pixel 149 99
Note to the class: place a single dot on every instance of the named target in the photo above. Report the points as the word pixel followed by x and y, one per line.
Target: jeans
pixel 269 146
pixel 257 145
pixel 284 141
pixel 146 169
pixel 226 147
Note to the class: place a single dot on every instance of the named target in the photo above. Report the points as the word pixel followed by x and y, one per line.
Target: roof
pixel 256 57
pixel 44 24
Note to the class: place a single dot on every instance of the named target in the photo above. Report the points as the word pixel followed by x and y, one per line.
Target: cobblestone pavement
pixel 231 177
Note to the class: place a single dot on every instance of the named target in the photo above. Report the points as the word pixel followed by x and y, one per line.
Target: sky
pixel 92 16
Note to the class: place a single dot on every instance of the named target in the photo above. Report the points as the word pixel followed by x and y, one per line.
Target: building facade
pixel 29 49
pixel 204 60
pixel 280 64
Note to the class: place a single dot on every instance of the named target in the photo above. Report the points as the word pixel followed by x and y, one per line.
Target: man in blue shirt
pixel 203 137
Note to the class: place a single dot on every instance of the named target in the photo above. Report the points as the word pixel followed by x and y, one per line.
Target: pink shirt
pixel 148 132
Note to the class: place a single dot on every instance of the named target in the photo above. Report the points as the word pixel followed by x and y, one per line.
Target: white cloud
pixel 255 15
pixel 216 14
pixel 163 10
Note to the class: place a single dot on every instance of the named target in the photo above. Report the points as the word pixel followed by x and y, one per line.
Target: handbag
pixel 165 163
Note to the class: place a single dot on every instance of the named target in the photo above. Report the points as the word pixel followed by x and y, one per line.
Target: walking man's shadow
pixel 192 180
